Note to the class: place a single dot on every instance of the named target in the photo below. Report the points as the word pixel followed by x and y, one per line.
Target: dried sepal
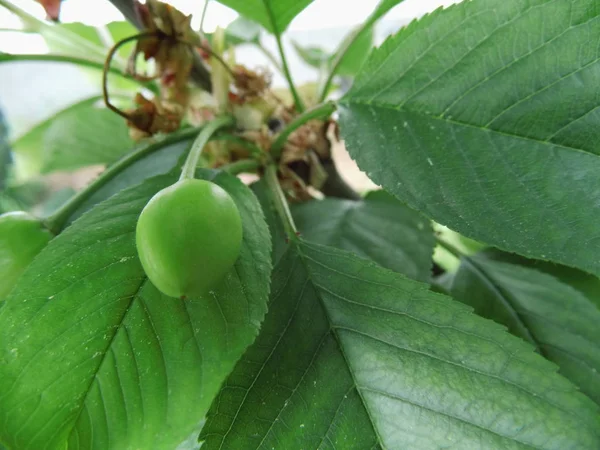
pixel 153 116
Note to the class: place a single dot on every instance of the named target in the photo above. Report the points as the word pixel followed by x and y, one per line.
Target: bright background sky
pixel 28 92
pixel 320 14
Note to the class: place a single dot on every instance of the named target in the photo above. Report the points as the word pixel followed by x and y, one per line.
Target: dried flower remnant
pixel 152 117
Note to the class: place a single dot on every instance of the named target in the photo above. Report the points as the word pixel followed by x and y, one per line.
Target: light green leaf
pixel 313 56
pixel 379 228
pixel 242 30
pixel 484 117
pixel 165 158
pixel 559 320
pixel 352 60
pixel 356 54
pixel 353 356
pixel 5 152
pixel 83 134
pixel 273 15
pixel 93 355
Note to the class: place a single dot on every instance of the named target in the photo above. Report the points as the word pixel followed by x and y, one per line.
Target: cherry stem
pixel 206 133
pixel 106 70
pixel 279 201
pixel 318 112
pixel 57 221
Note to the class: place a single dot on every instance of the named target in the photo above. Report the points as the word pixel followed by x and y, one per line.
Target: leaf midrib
pixel 106 351
pixel 385 105
pixel 358 387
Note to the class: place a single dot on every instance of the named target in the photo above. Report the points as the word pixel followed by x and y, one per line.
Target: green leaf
pixel 78 39
pixel 5 152
pixel 352 355
pixel 273 15
pixel 313 56
pixel 166 158
pixel 587 284
pixel 356 54
pixel 483 116
pixel 559 320
pixel 241 31
pixel 278 238
pixel 83 134
pixel 379 228
pixel 352 60
pixel 93 355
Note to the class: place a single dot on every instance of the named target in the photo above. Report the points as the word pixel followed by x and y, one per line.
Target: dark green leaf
pixel 587 284
pixel 353 356
pixel 273 15
pixel 559 320
pixel 379 228
pixel 484 117
pixel 93 355
pixel 278 236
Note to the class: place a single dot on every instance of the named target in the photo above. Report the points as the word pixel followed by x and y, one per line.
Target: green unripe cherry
pixel 22 237
pixel 188 237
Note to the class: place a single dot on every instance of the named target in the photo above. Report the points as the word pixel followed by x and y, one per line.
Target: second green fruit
pixel 188 237
pixel 22 237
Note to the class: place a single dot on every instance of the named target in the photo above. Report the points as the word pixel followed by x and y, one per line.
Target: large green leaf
pixel 274 15
pixel 559 320
pixel 93 355
pixel 353 356
pixel 484 117
pixel 378 227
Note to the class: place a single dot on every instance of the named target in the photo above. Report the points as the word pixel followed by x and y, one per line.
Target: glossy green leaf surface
pixel 559 320
pixel 379 228
pixel 94 356
pixel 354 356
pixel 273 15
pixel 484 117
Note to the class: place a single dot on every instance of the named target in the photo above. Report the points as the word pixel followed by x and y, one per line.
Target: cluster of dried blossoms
pixel 169 41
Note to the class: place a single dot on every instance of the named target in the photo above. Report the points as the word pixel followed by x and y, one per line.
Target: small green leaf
pixel 379 228
pixel 5 152
pixel 273 15
pixel 166 158
pixel 313 56
pixel 352 60
pixel 559 320
pixel 483 116
pixel 242 30
pixel 83 134
pixel 354 356
pixel 93 356
pixel 356 54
